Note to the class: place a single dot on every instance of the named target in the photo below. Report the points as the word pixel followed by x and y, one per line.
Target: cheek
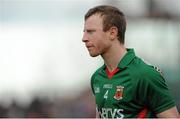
pixel 99 41
pixel 101 45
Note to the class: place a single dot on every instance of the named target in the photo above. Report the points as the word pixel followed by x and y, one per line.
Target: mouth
pixel 89 46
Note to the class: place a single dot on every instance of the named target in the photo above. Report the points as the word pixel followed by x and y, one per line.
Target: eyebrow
pixel 89 30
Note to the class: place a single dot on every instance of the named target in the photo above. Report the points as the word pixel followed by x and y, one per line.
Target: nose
pixel 84 38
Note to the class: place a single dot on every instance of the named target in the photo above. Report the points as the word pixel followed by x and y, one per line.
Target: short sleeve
pixel 156 92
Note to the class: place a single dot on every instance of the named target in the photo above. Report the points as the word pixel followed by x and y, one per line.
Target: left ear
pixel 113 32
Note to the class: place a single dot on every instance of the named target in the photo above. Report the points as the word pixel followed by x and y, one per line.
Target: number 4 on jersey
pixel 106 94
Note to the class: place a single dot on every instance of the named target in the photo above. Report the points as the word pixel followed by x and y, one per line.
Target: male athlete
pixel 124 86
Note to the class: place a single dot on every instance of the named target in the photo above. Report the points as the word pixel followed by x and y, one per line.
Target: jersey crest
pixel 119 92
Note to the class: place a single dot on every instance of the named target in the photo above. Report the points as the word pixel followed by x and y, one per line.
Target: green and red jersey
pixel 135 89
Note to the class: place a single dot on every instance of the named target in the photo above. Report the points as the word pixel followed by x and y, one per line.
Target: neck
pixel 113 56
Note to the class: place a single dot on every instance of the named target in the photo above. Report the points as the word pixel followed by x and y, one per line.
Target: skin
pixel 103 43
pixel 170 113
pixel 106 44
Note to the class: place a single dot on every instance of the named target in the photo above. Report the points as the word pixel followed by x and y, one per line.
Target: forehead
pixel 94 21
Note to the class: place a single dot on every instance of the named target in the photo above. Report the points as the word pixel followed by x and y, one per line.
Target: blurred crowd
pixel 83 106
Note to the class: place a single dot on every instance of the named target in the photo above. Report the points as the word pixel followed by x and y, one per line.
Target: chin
pixel 93 55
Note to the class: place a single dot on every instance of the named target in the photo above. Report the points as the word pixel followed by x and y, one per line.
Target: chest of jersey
pixel 110 92
pixel 116 96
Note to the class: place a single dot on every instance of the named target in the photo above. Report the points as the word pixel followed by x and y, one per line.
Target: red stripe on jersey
pixel 111 74
pixel 143 113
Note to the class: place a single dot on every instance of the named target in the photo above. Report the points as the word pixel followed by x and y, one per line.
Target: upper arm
pixel 169 113
pixel 156 93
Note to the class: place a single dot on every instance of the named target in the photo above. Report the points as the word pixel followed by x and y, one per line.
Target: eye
pixel 90 31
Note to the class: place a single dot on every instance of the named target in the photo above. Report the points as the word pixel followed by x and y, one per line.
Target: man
pixel 124 86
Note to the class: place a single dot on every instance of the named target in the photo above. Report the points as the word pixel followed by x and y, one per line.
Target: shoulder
pixel 141 70
pixel 93 77
pixel 96 73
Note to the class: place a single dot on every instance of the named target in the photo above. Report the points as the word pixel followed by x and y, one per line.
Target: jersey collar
pixel 128 57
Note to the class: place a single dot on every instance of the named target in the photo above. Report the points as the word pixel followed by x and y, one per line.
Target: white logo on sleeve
pixel 96 89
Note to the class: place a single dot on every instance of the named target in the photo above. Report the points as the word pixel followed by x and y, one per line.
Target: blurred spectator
pixel 3 112
pixel 15 111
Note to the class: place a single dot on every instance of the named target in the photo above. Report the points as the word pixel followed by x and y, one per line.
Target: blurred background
pixel 45 68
